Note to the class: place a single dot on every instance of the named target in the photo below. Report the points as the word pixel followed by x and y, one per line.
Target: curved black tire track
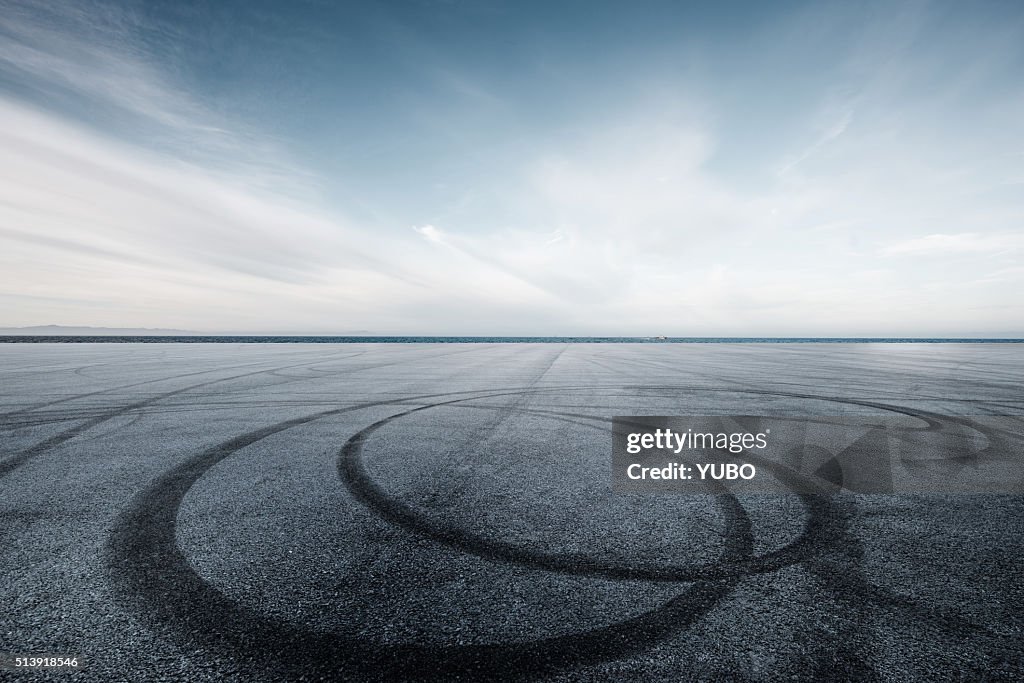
pixel 147 566
pixel 10 464
pixel 100 392
pixel 358 481
pixel 13 462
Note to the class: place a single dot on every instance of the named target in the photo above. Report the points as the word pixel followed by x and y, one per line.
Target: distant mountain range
pixel 69 331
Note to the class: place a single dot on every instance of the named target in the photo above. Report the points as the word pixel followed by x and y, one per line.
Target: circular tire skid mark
pixel 151 574
pixel 730 566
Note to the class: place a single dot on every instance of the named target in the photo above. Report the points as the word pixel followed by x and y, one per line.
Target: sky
pixel 520 168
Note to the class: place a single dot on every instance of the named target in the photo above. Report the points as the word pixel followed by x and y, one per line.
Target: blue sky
pixel 847 169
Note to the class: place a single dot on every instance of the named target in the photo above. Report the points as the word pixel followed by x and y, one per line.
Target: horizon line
pixel 384 338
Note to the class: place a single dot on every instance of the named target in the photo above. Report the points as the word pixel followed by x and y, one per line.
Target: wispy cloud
pixel 93 52
pixel 89 62
pixel 832 131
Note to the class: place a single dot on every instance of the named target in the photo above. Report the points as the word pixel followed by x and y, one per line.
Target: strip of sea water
pixel 281 339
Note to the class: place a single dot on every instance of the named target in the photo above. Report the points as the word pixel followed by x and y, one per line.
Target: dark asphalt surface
pixel 443 511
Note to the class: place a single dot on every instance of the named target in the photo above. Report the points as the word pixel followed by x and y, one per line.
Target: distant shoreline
pixel 320 339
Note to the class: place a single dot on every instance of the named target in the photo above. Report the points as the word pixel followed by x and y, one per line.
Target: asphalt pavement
pixel 261 512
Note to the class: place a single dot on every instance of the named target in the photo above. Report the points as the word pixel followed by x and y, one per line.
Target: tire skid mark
pixel 359 483
pixel 147 565
pixel 10 464
pixel 135 417
pixel 841 654
pixel 501 415
pixel 28 409
pixel 827 524
pixel 170 378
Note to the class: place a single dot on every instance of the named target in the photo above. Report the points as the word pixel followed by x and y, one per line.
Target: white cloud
pixel 429 232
